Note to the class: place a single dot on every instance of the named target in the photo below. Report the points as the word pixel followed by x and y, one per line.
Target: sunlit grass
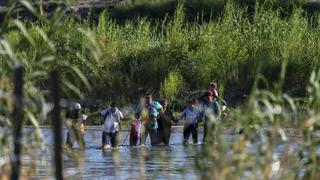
pixel 267 55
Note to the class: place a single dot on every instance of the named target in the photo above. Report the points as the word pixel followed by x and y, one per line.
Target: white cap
pixel 84 117
pixel 77 106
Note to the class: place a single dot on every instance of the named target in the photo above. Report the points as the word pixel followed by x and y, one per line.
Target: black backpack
pixel 103 117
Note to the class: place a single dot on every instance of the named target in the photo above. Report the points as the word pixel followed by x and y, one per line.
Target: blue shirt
pixel 190 115
pixel 152 110
pixel 211 108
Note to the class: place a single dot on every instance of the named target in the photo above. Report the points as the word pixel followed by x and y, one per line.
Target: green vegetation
pixel 172 87
pixel 127 60
pixel 263 120
pixel 255 48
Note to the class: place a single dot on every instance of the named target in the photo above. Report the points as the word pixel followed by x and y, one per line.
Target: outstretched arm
pixel 181 116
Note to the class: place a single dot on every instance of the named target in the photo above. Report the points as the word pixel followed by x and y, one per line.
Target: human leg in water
pixel 166 135
pixel 134 140
pixel 153 136
pixel 186 133
pixel 144 136
pixel 71 135
pixel 150 130
pixel 114 139
pixel 104 139
pixel 80 139
pixel 69 142
pixel 195 133
pixel 205 129
pixel 160 135
pixel 209 132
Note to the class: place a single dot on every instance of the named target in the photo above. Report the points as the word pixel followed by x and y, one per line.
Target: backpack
pixel 103 117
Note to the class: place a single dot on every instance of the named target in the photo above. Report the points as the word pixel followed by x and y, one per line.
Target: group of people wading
pixel 152 118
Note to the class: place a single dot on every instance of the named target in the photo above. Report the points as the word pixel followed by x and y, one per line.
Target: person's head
pixel 209 96
pixel 192 103
pixel 77 106
pixel 164 103
pixel 148 98
pixel 114 107
pixel 137 115
pixel 213 85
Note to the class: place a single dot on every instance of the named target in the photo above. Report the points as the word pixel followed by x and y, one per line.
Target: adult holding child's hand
pixel 150 111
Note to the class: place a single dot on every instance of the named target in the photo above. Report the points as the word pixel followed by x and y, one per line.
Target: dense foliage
pixel 127 60
pixel 255 48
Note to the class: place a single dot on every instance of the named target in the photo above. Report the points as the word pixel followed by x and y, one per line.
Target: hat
pixel 77 106
pixel 209 93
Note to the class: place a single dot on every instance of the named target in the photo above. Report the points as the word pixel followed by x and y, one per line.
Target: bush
pixel 172 86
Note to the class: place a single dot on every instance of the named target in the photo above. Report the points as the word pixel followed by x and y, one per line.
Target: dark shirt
pixel 165 120
pixel 73 114
pixel 214 106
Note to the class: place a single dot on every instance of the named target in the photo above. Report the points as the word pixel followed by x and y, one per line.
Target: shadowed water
pixel 162 162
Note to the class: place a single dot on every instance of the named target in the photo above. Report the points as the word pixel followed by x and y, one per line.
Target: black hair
pixel 192 101
pixel 148 95
pixel 114 104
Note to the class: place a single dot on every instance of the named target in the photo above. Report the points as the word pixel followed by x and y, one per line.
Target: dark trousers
pixel 164 135
pixel 209 129
pixel 153 136
pixel 135 140
pixel 191 129
pixel 79 137
pixel 205 131
pixel 110 138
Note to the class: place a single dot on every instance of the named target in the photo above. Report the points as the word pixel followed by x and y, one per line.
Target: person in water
pixel 211 111
pixel 165 123
pixel 110 128
pixel 214 89
pixel 191 115
pixel 75 119
pixel 136 131
pixel 150 110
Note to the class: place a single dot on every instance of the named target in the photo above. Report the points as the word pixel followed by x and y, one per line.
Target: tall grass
pixel 263 121
pixel 111 61
pixel 32 45
pixel 272 53
pixel 140 53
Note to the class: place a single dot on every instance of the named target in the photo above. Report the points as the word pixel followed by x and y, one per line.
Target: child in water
pixel 191 115
pixel 136 130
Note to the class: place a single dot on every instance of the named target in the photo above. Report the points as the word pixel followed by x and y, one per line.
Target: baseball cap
pixel 77 106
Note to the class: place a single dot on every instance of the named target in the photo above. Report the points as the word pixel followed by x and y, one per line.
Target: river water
pixel 164 162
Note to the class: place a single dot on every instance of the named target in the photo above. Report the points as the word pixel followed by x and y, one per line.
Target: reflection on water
pixel 172 162
pixel 164 162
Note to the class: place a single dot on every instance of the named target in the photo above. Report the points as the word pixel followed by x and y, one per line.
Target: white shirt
pixel 111 122
pixel 137 125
